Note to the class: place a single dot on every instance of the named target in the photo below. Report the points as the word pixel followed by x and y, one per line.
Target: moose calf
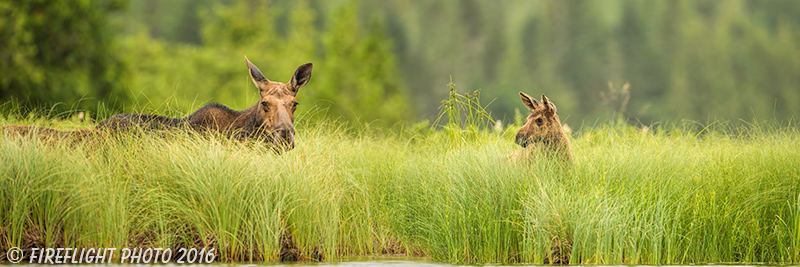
pixel 542 132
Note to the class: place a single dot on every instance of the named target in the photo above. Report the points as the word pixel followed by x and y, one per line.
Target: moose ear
pixel 548 104
pixel 255 74
pixel 529 101
pixel 301 76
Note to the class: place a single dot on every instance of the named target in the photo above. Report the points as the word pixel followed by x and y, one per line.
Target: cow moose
pixel 270 119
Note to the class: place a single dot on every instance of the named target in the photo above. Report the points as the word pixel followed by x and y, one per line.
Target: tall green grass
pixel 673 195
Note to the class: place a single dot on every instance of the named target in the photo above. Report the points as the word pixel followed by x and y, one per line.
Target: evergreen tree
pixel 359 72
pixel 61 52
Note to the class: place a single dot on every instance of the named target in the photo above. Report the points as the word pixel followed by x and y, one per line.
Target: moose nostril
pixel 283 127
pixel 284 138
pixel 284 134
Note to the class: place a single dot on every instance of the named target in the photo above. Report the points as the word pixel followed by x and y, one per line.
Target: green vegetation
pixel 361 180
pixel 62 54
pixel 355 75
pixel 663 196
pixel 385 61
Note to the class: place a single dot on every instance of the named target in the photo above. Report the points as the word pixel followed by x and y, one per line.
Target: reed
pixel 672 195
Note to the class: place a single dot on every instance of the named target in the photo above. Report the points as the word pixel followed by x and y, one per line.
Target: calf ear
pixel 529 101
pixel 301 77
pixel 255 74
pixel 548 104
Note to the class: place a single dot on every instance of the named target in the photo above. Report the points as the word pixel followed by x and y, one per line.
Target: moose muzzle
pixel 522 139
pixel 283 136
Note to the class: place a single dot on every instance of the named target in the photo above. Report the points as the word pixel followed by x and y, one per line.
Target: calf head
pixel 542 126
pixel 275 109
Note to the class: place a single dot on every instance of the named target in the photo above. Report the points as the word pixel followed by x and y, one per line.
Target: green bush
pixel 355 75
pixel 61 56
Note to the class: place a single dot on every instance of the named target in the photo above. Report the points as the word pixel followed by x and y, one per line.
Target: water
pixel 429 264
pixel 366 261
pixel 377 263
pixel 382 263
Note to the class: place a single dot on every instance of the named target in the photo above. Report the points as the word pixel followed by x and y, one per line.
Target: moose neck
pixel 556 143
pixel 252 116
pixel 560 146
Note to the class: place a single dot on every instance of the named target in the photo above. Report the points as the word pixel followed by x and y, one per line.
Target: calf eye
pixel 264 103
pixel 539 121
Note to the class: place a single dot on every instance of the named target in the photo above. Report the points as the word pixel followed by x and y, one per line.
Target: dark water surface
pixel 371 262
pixel 379 263
pixel 401 263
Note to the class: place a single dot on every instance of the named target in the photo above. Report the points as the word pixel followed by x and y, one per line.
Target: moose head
pixel 543 127
pixel 275 109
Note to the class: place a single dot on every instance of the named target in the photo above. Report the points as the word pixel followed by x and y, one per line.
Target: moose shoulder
pixel 542 132
pixel 271 118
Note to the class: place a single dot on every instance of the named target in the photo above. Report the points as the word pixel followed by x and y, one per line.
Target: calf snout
pixel 521 139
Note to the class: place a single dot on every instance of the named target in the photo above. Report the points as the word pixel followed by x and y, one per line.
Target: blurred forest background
pixel 390 61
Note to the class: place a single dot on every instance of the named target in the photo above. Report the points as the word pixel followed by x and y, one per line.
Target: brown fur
pixel 271 118
pixel 542 132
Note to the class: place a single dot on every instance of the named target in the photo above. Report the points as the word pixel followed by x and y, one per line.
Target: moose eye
pixel 294 106
pixel 539 121
pixel 264 103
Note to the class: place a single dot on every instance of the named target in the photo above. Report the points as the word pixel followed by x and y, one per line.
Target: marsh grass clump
pixel 466 117
pixel 670 195
pixel 640 198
